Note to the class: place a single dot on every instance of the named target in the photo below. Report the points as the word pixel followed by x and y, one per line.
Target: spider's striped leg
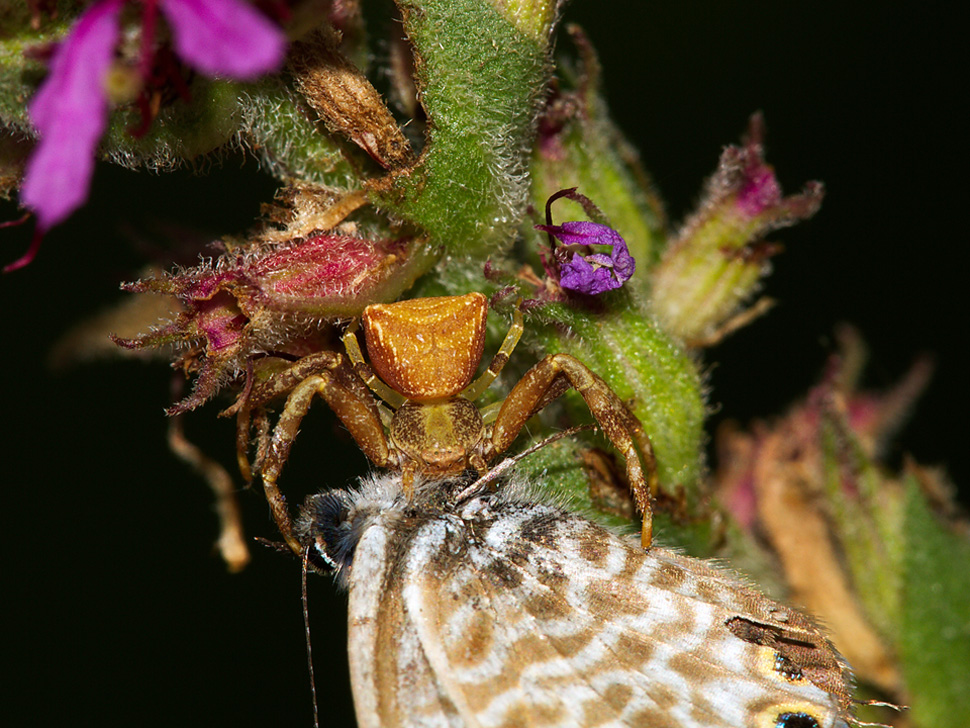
pixel 620 425
pixel 358 413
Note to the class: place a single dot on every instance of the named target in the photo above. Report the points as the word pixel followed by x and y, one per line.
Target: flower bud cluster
pixel 265 300
pixel 717 261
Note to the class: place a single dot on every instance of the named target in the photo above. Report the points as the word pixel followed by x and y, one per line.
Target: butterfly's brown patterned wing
pixel 529 616
pixel 506 611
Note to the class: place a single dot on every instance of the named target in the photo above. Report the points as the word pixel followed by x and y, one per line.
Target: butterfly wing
pixel 393 682
pixel 533 617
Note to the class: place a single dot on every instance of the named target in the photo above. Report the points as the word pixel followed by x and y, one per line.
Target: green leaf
pixel 20 74
pixel 276 126
pixel 182 131
pixel 935 629
pixel 481 78
pixel 865 507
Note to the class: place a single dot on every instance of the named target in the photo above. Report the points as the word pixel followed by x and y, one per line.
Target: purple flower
pixel 216 37
pixel 70 110
pixel 594 273
pixel 224 37
pixel 758 187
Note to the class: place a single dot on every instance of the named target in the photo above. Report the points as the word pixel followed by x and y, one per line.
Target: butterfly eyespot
pixel 796 720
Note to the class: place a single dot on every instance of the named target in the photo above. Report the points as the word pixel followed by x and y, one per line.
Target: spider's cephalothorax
pixel 423 357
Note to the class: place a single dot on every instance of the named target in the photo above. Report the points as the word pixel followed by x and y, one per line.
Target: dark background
pixel 117 610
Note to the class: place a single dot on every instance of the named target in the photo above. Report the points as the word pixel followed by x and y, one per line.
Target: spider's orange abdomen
pixel 427 348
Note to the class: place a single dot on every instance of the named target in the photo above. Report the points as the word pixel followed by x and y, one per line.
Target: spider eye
pixel 324 527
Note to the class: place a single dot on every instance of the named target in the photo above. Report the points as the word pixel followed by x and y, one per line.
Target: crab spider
pixel 423 357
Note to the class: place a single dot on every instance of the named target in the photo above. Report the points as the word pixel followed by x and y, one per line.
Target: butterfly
pixel 474 606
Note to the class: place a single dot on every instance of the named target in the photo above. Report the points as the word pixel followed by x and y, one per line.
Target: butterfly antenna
pixel 306 628
pixel 877 704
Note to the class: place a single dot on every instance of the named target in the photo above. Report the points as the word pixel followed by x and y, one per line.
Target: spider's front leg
pixel 355 407
pixel 544 382
pixel 250 407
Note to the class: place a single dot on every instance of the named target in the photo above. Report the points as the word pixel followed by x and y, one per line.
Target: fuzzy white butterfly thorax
pixel 504 610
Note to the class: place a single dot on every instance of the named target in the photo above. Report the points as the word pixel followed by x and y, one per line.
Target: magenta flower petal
pixel 759 188
pixel 224 37
pixel 70 111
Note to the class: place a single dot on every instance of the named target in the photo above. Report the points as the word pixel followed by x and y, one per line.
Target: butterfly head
pixel 327 532
pixel 331 523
